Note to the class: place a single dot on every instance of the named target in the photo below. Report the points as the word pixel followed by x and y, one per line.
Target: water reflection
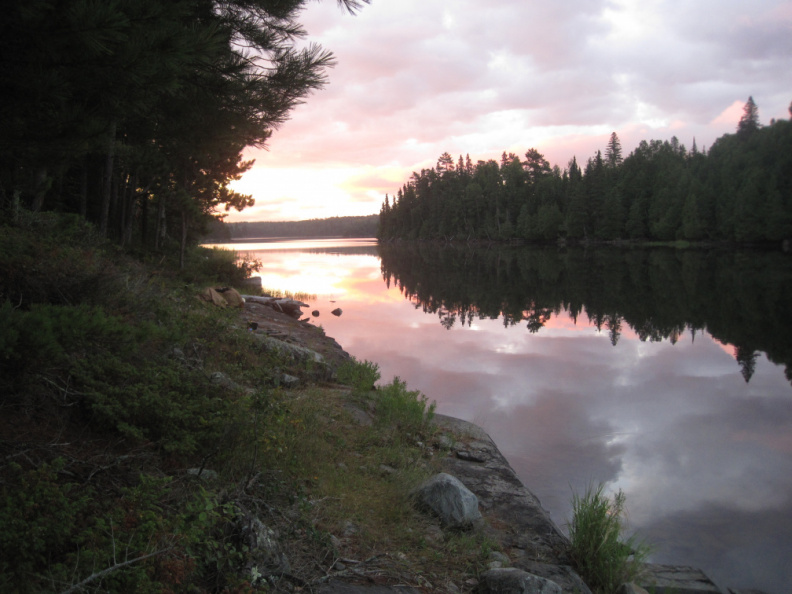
pixel 597 366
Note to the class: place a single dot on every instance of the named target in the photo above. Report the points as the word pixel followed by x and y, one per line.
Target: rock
pixel 340 587
pixel 218 378
pixel 350 528
pixel 500 558
pixel 232 297
pixel 386 470
pixel 297 353
pixel 289 381
pixel 471 456
pixel 213 297
pixel 449 499
pixel 516 519
pixel 265 558
pixel 563 575
pixel 665 579
pixel 315 313
pixel 515 581
pixel 337 311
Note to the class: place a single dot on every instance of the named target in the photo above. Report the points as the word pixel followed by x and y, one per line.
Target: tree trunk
pixel 107 189
pixel 40 188
pixel 84 190
pixel 183 246
pixel 161 225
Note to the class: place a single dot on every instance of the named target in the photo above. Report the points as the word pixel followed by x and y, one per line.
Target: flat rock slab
pixel 513 515
pixel 673 579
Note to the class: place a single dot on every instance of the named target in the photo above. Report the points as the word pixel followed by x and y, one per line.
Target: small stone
pixel 350 528
pixel 289 381
pixel 315 313
pixel 337 311
pixel 498 556
pixel 470 456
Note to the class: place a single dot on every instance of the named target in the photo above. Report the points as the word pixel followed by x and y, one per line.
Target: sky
pixel 417 78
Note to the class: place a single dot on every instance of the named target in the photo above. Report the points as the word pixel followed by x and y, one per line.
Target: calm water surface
pixel 586 368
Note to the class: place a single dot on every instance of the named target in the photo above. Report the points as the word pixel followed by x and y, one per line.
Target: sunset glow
pixel 416 79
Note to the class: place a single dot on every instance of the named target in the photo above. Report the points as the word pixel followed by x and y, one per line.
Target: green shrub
pixel 408 410
pixel 601 555
pixel 219 266
pixel 360 375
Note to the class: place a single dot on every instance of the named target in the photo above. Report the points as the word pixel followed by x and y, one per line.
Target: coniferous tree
pixel 613 153
pixel 749 122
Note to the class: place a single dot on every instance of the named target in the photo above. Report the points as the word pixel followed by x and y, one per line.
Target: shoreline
pixel 514 516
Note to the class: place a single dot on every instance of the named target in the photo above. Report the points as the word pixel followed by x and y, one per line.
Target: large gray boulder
pixel 515 581
pixel 449 499
pixel 265 558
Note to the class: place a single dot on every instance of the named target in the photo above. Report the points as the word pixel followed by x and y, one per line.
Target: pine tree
pixel 613 152
pixel 749 122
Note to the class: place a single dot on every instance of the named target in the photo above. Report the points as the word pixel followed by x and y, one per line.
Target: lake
pixel 664 373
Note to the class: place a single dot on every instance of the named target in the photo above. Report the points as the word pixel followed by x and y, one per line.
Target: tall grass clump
pixel 600 553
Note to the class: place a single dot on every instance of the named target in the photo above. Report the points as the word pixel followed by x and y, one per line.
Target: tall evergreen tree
pixel 749 122
pixel 613 152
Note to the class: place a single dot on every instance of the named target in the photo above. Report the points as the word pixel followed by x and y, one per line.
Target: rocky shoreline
pixel 512 516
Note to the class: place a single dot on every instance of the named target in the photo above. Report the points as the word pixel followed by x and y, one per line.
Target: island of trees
pixel 738 191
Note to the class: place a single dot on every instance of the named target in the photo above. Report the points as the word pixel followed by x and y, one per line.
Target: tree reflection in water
pixel 740 297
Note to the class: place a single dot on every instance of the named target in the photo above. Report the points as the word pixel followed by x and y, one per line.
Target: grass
pixel 601 554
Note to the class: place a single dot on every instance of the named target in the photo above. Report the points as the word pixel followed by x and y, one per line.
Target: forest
pixel 740 190
pixel 134 115
pixel 363 226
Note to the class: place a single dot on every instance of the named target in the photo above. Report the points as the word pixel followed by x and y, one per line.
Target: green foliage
pixel 599 551
pixel 361 375
pixel 408 410
pixel 206 266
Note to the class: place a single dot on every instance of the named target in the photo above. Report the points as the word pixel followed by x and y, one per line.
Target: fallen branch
pixel 109 570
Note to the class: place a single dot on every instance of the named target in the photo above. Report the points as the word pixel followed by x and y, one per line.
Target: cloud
pixel 415 79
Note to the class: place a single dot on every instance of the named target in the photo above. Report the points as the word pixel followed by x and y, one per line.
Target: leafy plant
pixel 361 375
pixel 600 553
pixel 408 410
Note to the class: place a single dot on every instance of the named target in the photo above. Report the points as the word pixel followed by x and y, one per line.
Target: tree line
pixel 359 226
pixel 660 293
pixel 134 114
pixel 738 191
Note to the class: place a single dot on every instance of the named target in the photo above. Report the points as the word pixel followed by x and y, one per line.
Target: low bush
pixel 360 375
pixel 407 410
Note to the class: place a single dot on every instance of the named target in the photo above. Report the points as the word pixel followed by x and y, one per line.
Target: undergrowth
pixel 109 393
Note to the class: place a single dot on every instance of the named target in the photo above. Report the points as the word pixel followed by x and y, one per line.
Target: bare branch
pixel 109 570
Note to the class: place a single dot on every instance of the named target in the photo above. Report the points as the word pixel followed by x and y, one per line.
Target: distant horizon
pixel 376 214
